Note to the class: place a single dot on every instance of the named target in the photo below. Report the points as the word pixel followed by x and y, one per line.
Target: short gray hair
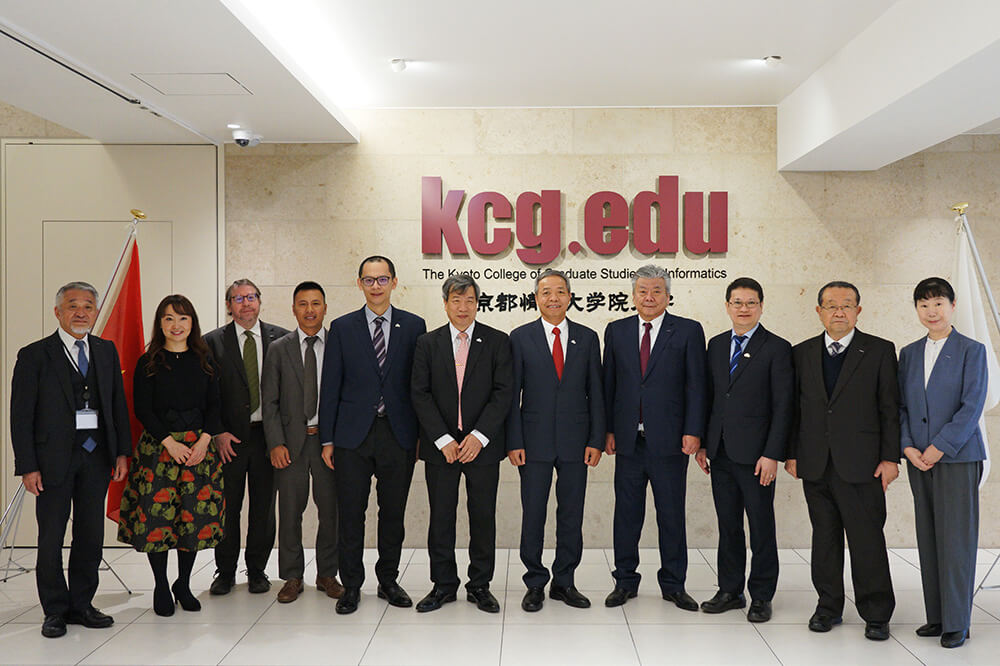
pixel 651 271
pixel 551 272
pixel 458 282
pixel 81 286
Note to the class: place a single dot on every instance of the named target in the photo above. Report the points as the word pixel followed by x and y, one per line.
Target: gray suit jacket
pixel 281 391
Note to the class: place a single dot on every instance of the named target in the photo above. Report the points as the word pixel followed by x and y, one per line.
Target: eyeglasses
pixel 249 298
pixel 839 308
pixel 738 305
pixel 382 280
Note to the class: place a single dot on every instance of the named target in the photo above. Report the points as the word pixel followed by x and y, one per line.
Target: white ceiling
pixel 523 53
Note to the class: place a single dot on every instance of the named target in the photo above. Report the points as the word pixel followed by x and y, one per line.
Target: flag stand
pixel 959 209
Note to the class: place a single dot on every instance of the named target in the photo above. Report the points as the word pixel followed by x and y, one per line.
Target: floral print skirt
pixel 166 505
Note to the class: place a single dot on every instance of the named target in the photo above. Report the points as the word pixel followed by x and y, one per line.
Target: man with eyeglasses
pixel 239 348
pixel 368 427
pixel 750 389
pixel 845 447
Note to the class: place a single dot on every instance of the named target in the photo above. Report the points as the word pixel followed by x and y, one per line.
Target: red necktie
pixel 644 348
pixel 557 353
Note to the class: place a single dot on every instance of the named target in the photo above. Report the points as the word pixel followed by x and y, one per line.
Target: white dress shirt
pixel 70 343
pixel 318 348
pixel 844 341
pixel 445 439
pixel 653 332
pixel 932 349
pixel 563 335
pixel 241 339
pixel 746 342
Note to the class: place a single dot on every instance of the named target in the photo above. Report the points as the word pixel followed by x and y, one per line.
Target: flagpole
pixel 136 216
pixel 960 209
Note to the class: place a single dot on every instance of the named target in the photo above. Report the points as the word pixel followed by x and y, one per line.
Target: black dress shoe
pixel 182 593
pixel 619 596
pixel 929 629
pixel 954 639
pixel 90 618
pixel 723 601
pixel 257 583
pixel 822 622
pixel 569 596
pixel 348 601
pixel 223 584
pixel 682 600
pixel 436 598
pixel 877 631
pixel 395 595
pixel 163 601
pixel 760 611
pixel 484 599
pixel 54 626
pixel 533 599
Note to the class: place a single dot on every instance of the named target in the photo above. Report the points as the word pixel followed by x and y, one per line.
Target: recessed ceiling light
pixel 233 126
pixel 772 60
pixel 397 64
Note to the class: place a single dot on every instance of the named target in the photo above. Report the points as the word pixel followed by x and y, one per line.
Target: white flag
pixel 971 320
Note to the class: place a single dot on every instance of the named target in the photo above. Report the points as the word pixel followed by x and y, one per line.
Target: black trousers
pixel 392 466
pixel 481 482
pixel 250 464
pixel 837 507
pixel 83 489
pixel 735 491
pixel 571 487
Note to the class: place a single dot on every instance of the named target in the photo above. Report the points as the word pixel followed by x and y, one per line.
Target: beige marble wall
pixel 299 212
pixel 18 123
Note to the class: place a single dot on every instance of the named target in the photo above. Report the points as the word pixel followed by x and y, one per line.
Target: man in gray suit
pixel 289 397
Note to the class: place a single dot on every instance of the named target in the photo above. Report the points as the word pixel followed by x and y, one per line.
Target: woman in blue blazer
pixel 942 381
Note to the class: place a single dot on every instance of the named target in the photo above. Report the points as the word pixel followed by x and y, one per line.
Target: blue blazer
pixel 352 382
pixel 672 392
pixel 946 413
pixel 551 418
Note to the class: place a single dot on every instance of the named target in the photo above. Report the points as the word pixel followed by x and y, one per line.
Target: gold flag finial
pixel 139 215
pixel 960 207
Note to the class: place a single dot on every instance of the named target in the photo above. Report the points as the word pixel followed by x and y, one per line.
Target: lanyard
pixel 86 388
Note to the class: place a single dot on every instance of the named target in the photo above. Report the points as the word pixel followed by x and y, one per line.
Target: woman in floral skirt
pixel 174 496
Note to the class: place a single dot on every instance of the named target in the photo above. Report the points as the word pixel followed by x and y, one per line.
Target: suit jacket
pixel 43 407
pixel 672 393
pixel 282 389
pixel 858 425
pixel 352 381
pixel 946 413
pixel 225 347
pixel 752 408
pixel 486 390
pixel 550 418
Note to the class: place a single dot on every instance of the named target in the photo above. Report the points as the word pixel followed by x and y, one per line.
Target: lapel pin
pixel 861 351
pixel 396 326
pixel 572 342
pixel 745 355
pixel 479 339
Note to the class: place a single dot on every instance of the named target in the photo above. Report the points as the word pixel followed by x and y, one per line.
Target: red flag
pixel 120 320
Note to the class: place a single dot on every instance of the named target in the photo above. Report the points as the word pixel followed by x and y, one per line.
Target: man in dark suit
pixel 750 384
pixel 240 348
pixel 654 395
pixel 70 431
pixel 461 390
pixel 289 391
pixel 845 447
pixel 556 422
pixel 368 427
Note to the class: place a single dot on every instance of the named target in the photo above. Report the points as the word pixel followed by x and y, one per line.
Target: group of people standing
pixel 254 404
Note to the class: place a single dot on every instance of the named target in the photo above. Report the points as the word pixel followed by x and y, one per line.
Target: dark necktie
pixel 734 361
pixel 83 363
pixel 378 339
pixel 310 390
pixel 835 348
pixel 644 347
pixel 557 353
pixel 250 367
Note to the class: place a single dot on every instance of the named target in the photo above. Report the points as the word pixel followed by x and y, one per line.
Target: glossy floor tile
pixel 254 629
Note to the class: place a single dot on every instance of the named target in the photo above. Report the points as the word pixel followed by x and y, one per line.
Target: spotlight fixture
pixel 397 64
pixel 233 126
pixel 772 60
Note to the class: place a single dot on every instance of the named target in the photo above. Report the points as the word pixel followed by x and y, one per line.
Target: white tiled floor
pixel 254 629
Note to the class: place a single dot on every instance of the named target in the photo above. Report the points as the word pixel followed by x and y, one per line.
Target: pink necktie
pixel 461 356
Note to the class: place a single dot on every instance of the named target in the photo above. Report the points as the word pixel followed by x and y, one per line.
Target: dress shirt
pixel 70 343
pixel 746 342
pixel 653 332
pixel 318 347
pixel 386 325
pixel 241 339
pixel 844 342
pixel 932 349
pixel 446 439
pixel 563 334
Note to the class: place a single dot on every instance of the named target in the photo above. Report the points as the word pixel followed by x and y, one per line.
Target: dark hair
pixel 933 287
pixel 745 283
pixel 242 282
pixel 157 341
pixel 373 259
pixel 308 285
pixel 459 282
pixel 841 285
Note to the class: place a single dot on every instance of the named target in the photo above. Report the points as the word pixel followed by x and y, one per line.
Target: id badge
pixel 86 419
